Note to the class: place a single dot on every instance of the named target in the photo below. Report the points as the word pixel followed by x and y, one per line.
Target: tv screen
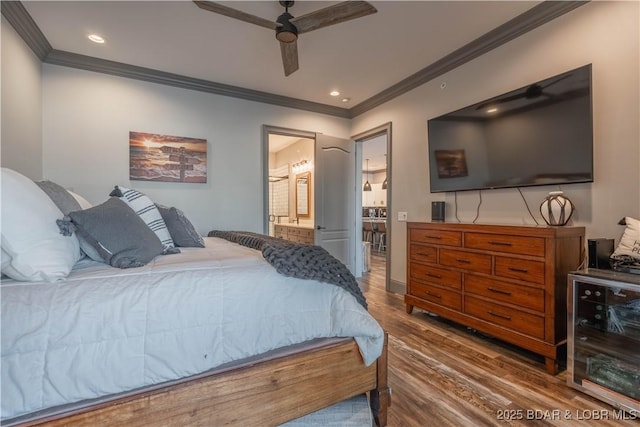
pixel 540 134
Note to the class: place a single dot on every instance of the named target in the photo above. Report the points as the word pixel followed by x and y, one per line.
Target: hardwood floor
pixel 443 374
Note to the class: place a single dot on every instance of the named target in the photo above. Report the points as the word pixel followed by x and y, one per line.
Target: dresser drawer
pixel 435 275
pixel 423 253
pixel 437 295
pixel 524 296
pixel 514 268
pixel 514 319
pixel 293 231
pixel 521 245
pixel 440 237
pixel 480 263
pixel 305 233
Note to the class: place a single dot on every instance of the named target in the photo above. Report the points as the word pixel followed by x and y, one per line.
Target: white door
pixel 335 197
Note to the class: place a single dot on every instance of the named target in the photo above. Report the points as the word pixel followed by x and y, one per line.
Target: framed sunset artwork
pixel 167 158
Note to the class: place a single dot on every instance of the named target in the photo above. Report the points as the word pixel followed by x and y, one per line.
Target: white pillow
pixel 629 247
pixel 32 247
pixel 84 203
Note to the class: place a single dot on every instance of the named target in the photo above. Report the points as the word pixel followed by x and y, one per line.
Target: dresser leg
pixel 409 308
pixel 551 365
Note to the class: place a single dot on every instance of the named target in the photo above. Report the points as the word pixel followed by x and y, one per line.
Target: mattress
pixel 103 330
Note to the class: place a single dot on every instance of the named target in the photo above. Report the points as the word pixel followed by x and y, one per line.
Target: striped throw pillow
pixel 148 212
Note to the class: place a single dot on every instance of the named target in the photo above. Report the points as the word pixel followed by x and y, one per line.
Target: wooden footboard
pixel 265 394
pixel 380 397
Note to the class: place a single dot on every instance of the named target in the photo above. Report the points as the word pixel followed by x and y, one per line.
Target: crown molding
pixel 26 27
pixel 521 24
pixel 89 63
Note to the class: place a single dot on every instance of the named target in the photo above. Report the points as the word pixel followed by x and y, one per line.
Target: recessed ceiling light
pixel 346 99
pixel 334 93
pixel 492 110
pixel 96 38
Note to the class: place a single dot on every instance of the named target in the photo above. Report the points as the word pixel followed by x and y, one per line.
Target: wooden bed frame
pixel 263 394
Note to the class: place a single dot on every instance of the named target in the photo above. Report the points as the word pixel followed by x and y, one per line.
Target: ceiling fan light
pixel 286 36
pixel 286 31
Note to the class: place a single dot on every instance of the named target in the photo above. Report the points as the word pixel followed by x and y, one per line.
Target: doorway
pixel 322 207
pixel 290 161
pixel 374 147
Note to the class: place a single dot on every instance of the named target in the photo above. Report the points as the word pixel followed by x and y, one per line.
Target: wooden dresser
pixel 506 281
pixel 294 234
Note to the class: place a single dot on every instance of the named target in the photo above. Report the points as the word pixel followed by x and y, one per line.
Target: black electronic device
pixel 599 251
pixel 437 211
pixel 540 134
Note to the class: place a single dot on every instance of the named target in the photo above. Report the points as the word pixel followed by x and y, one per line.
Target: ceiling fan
pixel 531 92
pixel 287 27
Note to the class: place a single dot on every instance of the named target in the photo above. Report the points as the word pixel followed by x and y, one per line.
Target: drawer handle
pixel 435 276
pixel 433 295
pixel 498 291
pixel 502 316
pixel 425 254
pixel 500 243
pixel 463 261
pixel 519 270
pixel 434 237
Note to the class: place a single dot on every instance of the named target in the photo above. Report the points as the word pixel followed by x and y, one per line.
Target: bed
pixel 212 335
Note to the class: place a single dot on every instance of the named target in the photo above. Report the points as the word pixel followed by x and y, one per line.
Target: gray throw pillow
pixel 182 231
pixel 113 233
pixel 60 196
pixel 144 207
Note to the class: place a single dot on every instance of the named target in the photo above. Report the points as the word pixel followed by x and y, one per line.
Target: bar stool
pixel 367 231
pixel 381 236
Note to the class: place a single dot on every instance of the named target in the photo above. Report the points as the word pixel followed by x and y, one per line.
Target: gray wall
pixel 87 118
pixel 21 140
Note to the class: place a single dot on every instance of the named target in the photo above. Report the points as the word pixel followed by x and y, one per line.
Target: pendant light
pixel 367 186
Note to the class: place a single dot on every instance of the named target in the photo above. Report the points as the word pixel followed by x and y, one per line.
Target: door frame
pixel 384 129
pixel 266 131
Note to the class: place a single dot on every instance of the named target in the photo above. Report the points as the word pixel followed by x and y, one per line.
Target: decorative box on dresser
pixel 507 281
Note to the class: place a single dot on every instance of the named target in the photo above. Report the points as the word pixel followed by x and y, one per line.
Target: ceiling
pixel 360 58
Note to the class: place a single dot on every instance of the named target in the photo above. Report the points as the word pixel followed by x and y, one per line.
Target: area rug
pixel 354 412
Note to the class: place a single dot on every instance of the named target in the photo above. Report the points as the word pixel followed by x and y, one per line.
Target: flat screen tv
pixel 540 134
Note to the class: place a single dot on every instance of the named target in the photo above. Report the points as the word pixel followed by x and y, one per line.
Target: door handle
pixel 319 227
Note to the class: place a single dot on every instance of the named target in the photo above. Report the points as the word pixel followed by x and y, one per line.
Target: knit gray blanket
pixel 297 260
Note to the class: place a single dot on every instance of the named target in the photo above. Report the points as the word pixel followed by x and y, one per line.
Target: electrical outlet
pixel 402 216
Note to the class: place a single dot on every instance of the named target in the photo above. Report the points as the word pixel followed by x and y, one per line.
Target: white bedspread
pixel 104 330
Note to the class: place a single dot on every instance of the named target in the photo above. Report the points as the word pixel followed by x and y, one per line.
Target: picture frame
pixel 167 158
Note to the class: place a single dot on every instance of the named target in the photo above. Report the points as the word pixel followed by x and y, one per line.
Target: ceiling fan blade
pixel 236 14
pixel 289 53
pixel 331 15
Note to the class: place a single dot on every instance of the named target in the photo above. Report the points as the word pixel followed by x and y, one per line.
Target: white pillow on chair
pixel 32 247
